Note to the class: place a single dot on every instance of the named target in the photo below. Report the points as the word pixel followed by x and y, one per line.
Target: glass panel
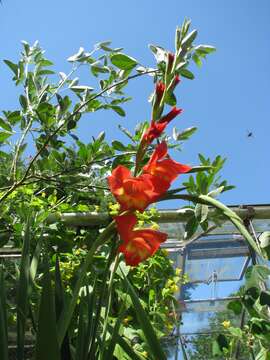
pixel 214 270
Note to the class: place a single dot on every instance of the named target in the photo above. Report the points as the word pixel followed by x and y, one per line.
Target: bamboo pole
pixel 165 216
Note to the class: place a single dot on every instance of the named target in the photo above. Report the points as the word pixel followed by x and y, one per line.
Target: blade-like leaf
pixel 113 340
pixel 12 66
pixel 3 320
pixel 201 212
pixel 47 343
pixel 59 306
pixel 128 348
pixel 35 259
pixel 23 291
pixel 81 337
pixel 187 74
pixel 187 41
pixel 145 324
pixel 185 134
pixel 205 49
pixel 199 168
pixel 104 300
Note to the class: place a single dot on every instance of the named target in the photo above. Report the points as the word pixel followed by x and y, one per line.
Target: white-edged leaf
pixel 76 56
pixel 214 193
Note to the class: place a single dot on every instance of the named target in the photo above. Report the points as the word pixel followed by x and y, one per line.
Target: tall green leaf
pixel 104 300
pixel 3 320
pixel 146 326
pixel 127 347
pixel 47 346
pixel 81 336
pixel 23 290
pixel 113 341
pixel 59 306
pixel 35 259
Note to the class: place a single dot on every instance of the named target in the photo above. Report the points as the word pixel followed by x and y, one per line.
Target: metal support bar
pixel 165 216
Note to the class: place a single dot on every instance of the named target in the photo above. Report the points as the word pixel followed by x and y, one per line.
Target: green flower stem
pixel 228 213
pixel 67 312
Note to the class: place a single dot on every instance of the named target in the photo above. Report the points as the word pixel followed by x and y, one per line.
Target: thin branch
pixel 48 178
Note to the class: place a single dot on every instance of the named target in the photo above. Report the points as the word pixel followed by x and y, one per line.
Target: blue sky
pixel 229 95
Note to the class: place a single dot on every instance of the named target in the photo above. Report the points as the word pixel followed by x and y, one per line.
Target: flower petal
pixel 125 225
pixel 115 181
pixel 162 167
pixel 142 244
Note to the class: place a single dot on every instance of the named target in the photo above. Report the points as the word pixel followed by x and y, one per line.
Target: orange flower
pixel 135 193
pixel 153 132
pixel 170 116
pixel 156 128
pixel 161 166
pixel 170 62
pixel 137 245
pixel 176 80
pixel 160 88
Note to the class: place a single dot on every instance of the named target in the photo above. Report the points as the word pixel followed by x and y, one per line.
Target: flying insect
pixel 250 134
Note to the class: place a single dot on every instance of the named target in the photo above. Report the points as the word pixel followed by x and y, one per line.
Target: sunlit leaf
pixel 123 62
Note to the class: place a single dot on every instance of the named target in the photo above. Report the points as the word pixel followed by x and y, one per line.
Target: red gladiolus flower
pixel 154 131
pixel 161 166
pixel 175 82
pixel 170 61
pixel 160 88
pixel 156 128
pixel 170 116
pixel 137 245
pixel 135 193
